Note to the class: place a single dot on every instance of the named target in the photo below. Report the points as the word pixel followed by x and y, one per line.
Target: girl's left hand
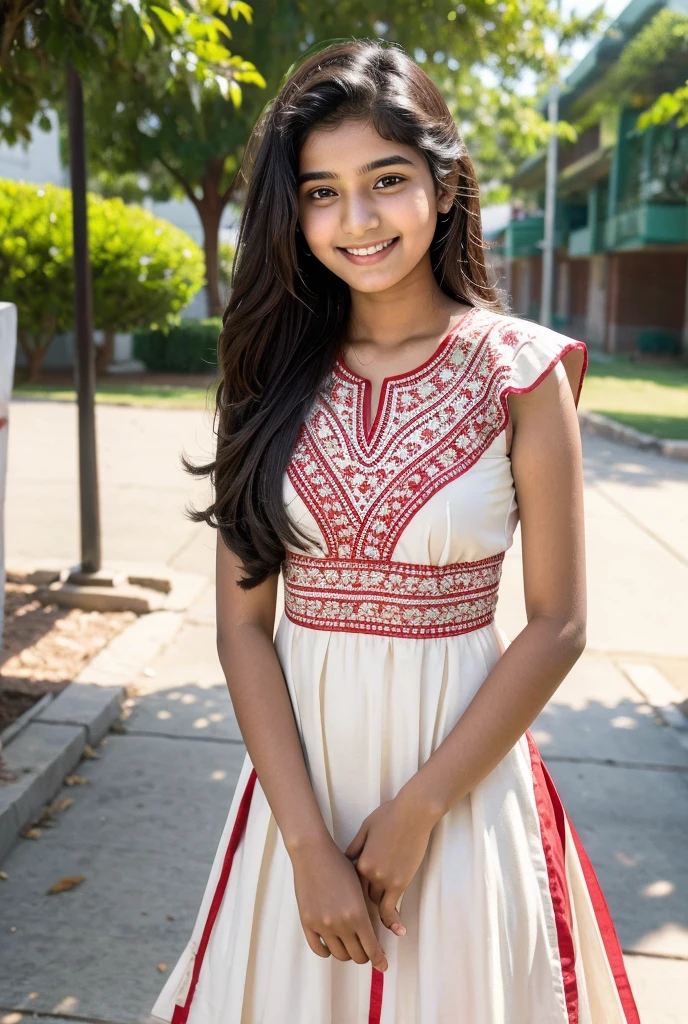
pixel 389 845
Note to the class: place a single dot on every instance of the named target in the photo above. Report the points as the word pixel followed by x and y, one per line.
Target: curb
pixel 50 745
pixel 660 694
pixel 595 423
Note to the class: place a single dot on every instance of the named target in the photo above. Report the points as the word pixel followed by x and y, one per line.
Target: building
pixel 621 236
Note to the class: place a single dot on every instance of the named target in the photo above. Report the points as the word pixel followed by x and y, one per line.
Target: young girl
pixel 395 851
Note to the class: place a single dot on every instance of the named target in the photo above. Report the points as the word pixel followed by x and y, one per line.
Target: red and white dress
pixel 387 634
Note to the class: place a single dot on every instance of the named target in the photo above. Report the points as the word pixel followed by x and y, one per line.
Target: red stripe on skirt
pixel 553 834
pixel 181 1013
pixel 376 984
pixel 610 939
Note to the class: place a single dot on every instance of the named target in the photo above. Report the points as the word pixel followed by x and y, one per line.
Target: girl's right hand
pixel 332 905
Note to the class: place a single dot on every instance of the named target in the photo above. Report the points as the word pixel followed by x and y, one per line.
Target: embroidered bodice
pixel 429 485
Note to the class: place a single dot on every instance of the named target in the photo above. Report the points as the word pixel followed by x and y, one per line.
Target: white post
pixel 550 210
pixel 8 351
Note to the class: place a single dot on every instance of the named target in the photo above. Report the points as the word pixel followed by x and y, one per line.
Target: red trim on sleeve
pixel 181 1013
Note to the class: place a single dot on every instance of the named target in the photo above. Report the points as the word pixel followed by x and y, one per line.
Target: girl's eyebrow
pixel 384 161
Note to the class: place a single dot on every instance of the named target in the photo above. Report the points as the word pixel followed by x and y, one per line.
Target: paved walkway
pixel 145 829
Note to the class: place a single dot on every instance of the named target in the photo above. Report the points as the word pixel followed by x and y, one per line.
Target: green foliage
pixel 144 270
pixel 103 39
pixel 190 347
pixel 36 260
pixel 650 72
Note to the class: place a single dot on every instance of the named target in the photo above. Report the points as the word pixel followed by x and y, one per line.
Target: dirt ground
pixel 46 646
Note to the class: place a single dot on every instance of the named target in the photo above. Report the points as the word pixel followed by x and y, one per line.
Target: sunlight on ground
pixel 623 722
pixel 658 888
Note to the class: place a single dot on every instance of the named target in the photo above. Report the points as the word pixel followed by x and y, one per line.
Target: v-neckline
pixel 370 428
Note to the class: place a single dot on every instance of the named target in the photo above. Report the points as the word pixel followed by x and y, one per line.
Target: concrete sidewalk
pixel 144 830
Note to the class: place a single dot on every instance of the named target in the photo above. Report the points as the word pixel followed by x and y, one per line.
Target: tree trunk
pixel 211 214
pixel 35 348
pixel 36 356
pixel 105 353
pixel 209 206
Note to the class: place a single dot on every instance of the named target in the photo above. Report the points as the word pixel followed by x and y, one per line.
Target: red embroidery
pixel 391 598
pixel 432 425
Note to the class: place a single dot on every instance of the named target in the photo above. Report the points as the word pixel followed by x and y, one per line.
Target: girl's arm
pixel 330 900
pixel 546 462
pixel 547 469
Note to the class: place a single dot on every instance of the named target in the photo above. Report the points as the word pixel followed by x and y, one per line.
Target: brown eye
pixel 323 188
pixel 388 177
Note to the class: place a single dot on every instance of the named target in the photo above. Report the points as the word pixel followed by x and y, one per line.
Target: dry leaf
pixel 118 727
pixel 90 752
pixel 76 780
pixel 31 833
pixel 62 805
pixel 170 917
pixel 65 883
pixel 162 967
pixel 3 875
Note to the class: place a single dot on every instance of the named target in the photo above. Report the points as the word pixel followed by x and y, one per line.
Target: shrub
pixel 190 347
pixel 36 270
pixel 143 269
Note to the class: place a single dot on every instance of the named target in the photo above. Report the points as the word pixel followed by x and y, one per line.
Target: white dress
pixel 387 634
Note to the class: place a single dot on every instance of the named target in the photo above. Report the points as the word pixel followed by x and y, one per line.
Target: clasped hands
pixel 339 893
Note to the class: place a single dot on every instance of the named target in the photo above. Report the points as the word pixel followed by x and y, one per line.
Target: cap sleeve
pixel 535 351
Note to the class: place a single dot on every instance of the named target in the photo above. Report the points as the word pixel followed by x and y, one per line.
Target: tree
pixel 194 141
pixel 49 46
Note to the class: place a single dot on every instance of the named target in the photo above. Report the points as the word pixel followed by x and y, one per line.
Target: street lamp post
pixel 550 210
pixel 83 322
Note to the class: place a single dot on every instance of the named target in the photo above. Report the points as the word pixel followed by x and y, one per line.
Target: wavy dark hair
pixel 287 313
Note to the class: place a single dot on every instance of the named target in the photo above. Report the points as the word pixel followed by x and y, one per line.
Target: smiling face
pixel 357 190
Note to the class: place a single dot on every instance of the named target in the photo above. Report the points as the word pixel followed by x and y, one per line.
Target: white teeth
pixel 371 249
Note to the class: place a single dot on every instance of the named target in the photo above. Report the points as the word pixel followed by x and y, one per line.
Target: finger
pixel 376 892
pixel 336 946
pixel 372 947
pixel 356 950
pixel 357 843
pixel 389 915
pixel 314 941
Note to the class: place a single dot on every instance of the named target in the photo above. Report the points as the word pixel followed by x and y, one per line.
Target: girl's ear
pixel 447 191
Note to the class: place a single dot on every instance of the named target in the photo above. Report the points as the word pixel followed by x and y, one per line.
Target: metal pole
pixel 84 364
pixel 550 211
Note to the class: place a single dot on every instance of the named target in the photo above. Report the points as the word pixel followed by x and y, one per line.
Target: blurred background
pixel 122 128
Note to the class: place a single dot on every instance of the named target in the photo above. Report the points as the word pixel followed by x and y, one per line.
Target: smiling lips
pixel 374 257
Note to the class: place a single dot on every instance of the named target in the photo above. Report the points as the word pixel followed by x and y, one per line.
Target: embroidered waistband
pixel 391 598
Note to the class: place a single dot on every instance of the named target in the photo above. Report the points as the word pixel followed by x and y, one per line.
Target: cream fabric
pixel 481 944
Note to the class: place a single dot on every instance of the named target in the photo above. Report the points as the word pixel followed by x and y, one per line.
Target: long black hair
pixel 287 313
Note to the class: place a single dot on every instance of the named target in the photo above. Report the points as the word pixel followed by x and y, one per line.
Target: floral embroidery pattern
pixel 433 425
pixel 391 598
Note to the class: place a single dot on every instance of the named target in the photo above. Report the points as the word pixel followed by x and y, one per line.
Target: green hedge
pixel 144 270
pixel 191 347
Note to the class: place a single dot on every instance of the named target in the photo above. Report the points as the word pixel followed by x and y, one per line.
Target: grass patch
pixel 651 397
pixel 168 396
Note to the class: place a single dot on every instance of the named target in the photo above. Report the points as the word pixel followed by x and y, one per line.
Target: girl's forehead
pixel 349 146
